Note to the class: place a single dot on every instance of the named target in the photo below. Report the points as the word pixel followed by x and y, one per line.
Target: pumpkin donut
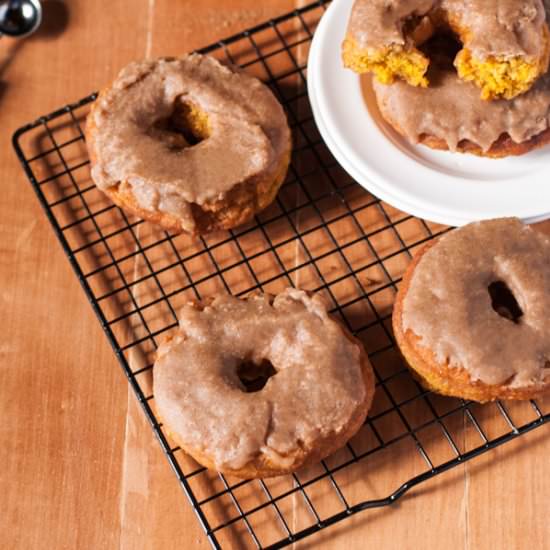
pixel 450 115
pixel 206 391
pixel 188 143
pixel 506 43
pixel 471 315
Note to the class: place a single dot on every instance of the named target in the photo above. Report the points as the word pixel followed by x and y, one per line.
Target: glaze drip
pixel 451 109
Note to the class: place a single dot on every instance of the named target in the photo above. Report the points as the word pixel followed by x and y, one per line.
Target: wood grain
pixel 81 468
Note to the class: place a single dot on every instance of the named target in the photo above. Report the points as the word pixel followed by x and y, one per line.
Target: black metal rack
pixel 323 233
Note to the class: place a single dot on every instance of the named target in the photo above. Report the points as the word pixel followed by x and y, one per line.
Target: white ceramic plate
pixel 443 187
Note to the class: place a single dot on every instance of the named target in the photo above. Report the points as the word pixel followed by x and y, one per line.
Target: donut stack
pixel 470 77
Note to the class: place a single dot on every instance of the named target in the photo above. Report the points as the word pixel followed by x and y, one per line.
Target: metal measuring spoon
pixel 19 17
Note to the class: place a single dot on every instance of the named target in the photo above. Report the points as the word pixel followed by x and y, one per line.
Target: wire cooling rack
pixel 323 233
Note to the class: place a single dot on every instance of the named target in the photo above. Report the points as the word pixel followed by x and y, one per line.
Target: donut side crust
pixel 441 377
pixel 503 147
pixel 261 466
pixel 237 207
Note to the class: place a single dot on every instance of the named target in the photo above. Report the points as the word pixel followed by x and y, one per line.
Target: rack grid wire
pixel 323 233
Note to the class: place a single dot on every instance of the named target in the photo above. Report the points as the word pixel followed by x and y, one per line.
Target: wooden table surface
pixel 81 467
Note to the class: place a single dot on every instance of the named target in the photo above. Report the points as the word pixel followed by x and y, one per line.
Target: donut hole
pixel 254 376
pixel 186 126
pixel 442 49
pixel 504 302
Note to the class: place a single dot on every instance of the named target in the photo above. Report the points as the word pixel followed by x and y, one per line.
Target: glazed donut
pixel 506 43
pixel 189 144
pixel 450 115
pixel 317 399
pixel 471 315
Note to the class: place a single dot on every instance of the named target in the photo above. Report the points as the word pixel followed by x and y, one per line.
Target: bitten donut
pixel 189 143
pixel 318 396
pixel 471 315
pixel 506 43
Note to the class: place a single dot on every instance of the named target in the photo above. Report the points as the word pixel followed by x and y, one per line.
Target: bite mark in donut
pixel 506 48
pixel 502 78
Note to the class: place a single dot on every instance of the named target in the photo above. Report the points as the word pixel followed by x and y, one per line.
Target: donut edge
pixel 261 466
pixel 503 147
pixel 441 377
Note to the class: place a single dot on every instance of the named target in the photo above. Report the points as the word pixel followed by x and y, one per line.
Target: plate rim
pixel 368 178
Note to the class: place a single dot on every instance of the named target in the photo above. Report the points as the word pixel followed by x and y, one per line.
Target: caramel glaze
pixel 448 304
pixel 317 389
pixel 247 128
pixel 452 110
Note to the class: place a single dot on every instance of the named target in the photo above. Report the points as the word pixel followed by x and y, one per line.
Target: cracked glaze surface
pixel 452 110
